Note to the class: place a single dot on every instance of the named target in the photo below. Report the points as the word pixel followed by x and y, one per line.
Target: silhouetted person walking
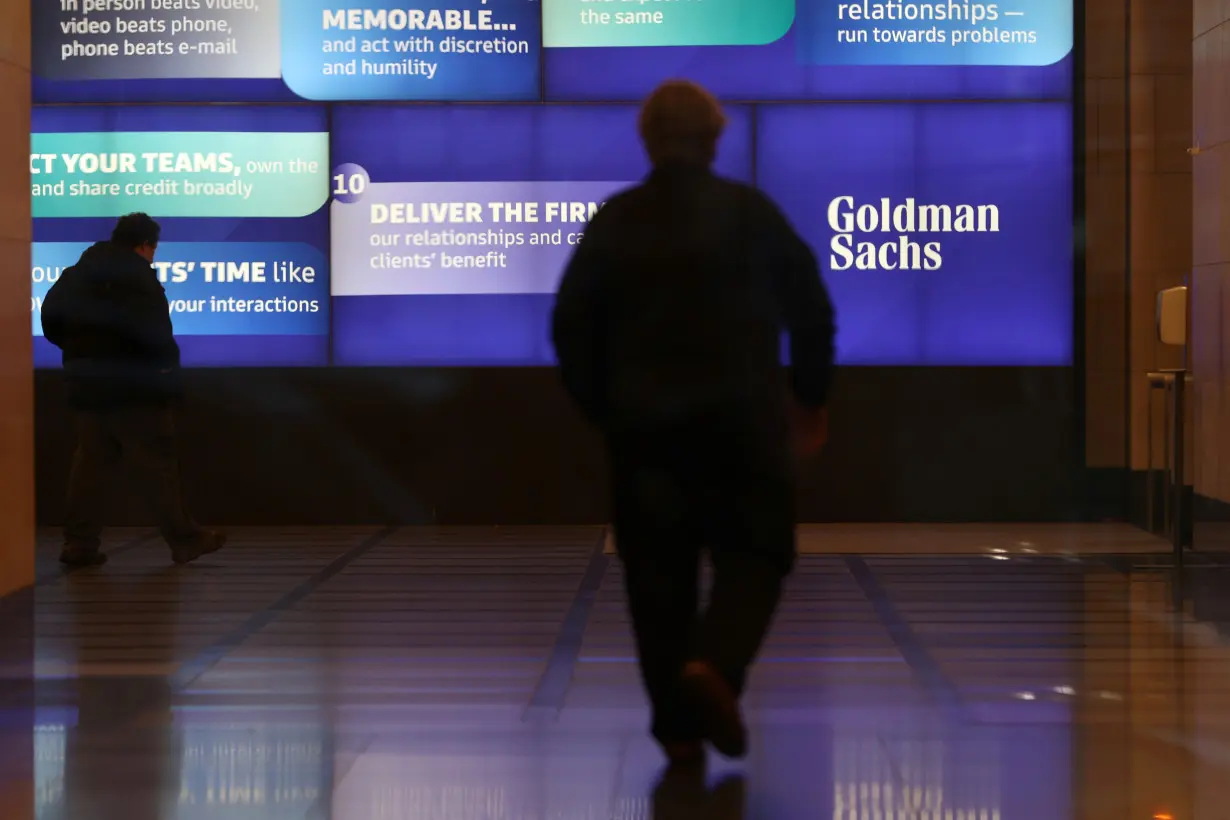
pixel 109 316
pixel 668 327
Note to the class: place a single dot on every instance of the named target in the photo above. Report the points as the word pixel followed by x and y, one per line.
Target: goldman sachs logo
pixel 880 236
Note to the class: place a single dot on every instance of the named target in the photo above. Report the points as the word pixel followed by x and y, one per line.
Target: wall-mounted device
pixel 1172 316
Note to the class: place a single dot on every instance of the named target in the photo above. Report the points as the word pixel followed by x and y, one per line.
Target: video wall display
pixel 944 230
pixel 450 254
pixel 556 50
pixel 810 49
pixel 241 194
pixel 323 201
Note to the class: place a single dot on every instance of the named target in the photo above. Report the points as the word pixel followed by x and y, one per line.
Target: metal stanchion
pixel 1178 482
pixel 1158 382
pixel 1173 384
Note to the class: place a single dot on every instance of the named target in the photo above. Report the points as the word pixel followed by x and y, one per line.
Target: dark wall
pixel 502 446
pixel 1210 524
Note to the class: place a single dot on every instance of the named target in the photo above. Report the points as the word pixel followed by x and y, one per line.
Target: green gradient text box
pixel 273 174
pixel 572 23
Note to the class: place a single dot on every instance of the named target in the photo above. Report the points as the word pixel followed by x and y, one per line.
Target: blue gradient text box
pixel 935 32
pixel 439 50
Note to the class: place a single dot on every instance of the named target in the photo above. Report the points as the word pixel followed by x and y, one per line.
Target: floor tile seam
pixel 552 690
pixel 927 672
pixel 205 660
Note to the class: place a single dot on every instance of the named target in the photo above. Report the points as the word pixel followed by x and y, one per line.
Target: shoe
pixel 206 543
pixel 82 557
pixel 718 708
pixel 686 753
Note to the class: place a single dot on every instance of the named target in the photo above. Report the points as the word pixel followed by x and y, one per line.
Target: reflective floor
pixel 915 673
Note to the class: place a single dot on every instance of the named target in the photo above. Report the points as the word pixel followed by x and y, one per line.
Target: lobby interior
pixel 1073 667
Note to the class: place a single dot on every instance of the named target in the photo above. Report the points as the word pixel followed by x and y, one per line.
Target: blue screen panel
pixel 831 50
pixel 944 230
pixel 449 254
pixel 244 252
pixel 474 50
pixel 770 73
pixel 284 50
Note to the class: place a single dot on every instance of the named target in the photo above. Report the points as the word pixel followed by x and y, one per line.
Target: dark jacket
pixel 109 316
pixel 673 307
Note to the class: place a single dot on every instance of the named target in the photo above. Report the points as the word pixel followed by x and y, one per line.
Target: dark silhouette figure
pixel 668 327
pixel 109 316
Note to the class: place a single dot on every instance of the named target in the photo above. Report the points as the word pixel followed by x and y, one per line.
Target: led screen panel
pixel 449 253
pixel 241 199
pixel 274 50
pixel 615 50
pixel 944 230
pixel 786 50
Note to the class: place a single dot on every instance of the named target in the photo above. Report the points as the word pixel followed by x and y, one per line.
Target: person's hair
pixel 135 230
pixel 681 122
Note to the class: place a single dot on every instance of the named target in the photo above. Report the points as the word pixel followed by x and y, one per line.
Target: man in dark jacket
pixel 109 316
pixel 667 327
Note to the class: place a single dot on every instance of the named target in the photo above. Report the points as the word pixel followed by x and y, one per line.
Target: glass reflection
pixel 212 772
pixel 237 772
pixel 49 745
pixel 916 780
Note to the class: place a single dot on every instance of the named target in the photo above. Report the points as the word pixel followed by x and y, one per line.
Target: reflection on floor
pixel 952 674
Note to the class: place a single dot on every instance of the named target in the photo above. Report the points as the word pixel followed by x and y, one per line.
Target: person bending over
pixel 667 327
pixel 109 316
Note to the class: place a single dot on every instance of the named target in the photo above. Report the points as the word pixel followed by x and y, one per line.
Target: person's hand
pixel 811 430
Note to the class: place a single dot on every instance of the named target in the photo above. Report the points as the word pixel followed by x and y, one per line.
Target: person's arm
pixel 807 311
pixel 137 308
pixel 151 323
pixel 53 315
pixel 131 307
pixel 578 328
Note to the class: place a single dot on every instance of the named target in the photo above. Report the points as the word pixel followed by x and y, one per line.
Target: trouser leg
pixel 753 550
pixel 747 588
pixel 150 445
pixel 663 596
pixel 89 481
pixel 660 549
